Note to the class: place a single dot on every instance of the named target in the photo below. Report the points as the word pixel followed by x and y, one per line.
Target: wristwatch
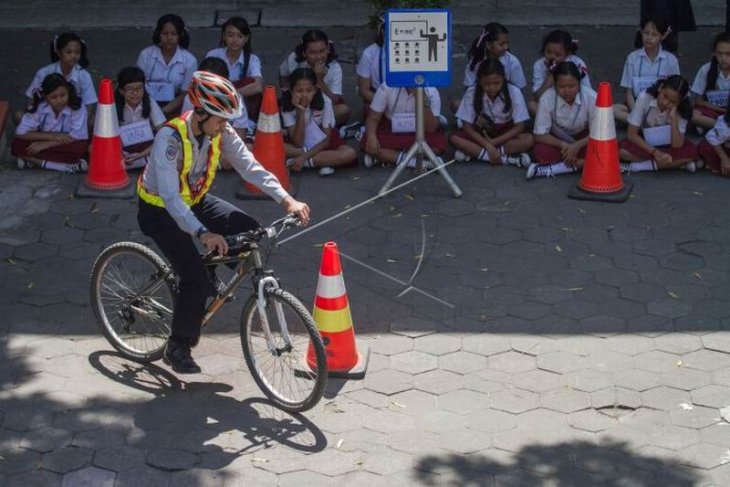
pixel 203 229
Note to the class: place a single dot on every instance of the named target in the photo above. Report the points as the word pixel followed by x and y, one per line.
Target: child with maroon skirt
pixel 655 138
pixel 561 125
pixel 53 133
pixel 713 149
pixel 390 129
pixel 493 113
pixel 309 120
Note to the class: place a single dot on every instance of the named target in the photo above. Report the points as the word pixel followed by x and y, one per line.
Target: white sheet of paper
pixel 161 90
pixel 136 133
pixel 641 83
pixel 718 97
pixel 403 123
pixel 313 135
pixel 658 136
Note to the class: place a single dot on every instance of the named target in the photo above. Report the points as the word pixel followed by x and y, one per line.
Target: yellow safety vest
pixel 190 195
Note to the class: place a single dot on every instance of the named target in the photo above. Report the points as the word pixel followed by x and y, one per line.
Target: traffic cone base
pixel 601 178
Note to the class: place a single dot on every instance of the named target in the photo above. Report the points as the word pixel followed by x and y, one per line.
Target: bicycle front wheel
pixel 132 297
pixel 284 351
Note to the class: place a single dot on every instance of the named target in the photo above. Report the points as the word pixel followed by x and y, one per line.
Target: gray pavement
pixel 582 344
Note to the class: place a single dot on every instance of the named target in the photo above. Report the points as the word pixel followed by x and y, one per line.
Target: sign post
pixel 418 55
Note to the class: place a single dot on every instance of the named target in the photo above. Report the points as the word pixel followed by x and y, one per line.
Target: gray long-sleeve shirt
pixel 162 177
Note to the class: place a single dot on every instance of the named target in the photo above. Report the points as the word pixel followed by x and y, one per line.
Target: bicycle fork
pixel 263 283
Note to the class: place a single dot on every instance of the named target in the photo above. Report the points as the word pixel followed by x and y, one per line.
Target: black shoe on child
pixel 177 355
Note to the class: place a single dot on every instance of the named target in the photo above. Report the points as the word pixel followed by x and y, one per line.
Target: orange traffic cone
pixel 334 322
pixel 107 175
pixel 268 148
pixel 601 179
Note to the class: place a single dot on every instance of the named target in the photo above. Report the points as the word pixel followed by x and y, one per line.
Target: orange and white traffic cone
pixel 334 321
pixel 107 176
pixel 601 179
pixel 268 147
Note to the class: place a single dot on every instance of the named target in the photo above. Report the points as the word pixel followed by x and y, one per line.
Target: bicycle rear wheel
pixel 291 368
pixel 132 296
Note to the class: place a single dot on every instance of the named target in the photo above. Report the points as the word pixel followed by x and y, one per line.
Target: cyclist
pixel 175 206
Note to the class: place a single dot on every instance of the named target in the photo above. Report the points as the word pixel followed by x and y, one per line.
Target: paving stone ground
pixel 572 343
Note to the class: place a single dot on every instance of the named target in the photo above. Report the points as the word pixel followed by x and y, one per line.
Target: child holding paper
pixel 138 116
pixel 657 123
pixel 310 120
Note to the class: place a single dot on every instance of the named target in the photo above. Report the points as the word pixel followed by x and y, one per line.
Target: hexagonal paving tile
pixel 590 420
pixel 514 400
pixel 638 380
pixel 560 362
pixel 438 381
pixel 386 421
pixel 414 442
pixel 413 362
pixel 719 341
pixel 462 362
pixel 698 417
pixel 587 380
pixel 711 396
pixel 607 361
pixel 565 400
pixel 630 344
pixel 413 402
pixel 67 459
pixel 722 376
pixel 389 382
pixel 463 401
pixel 664 398
pixel 511 362
pixel 537 381
pixel 668 307
pixel 717 434
pixel 464 441
pixel 614 401
pixel 437 344
pixel 678 343
pixel 89 476
pixel 440 421
pixel 486 344
pixel 686 379
pixel 491 421
pixel 391 344
pixel 704 455
pixel 706 360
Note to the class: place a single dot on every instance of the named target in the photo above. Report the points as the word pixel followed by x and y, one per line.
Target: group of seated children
pixel 493 116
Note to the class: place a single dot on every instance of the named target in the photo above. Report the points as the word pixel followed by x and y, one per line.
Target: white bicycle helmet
pixel 215 94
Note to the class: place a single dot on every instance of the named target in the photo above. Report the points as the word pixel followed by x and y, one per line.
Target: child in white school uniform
pixel 561 127
pixel 318 53
pixel 493 113
pixel 371 68
pixel 309 120
pixel 390 129
pixel 712 84
pixel 714 149
pixel 557 46
pixel 244 67
pixel 167 64
pixel 68 57
pixel 139 117
pixel 53 133
pixel 655 139
pixel 492 43
pixel 647 64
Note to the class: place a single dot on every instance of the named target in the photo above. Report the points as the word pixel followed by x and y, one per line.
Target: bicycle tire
pixel 118 275
pixel 297 366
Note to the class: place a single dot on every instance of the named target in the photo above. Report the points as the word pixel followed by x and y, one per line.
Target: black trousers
pixel 194 287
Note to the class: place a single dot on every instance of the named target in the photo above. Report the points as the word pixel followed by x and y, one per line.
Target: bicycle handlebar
pixel 271 231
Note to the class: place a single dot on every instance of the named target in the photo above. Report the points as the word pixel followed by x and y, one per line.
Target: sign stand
pixel 419 149
pixel 415 38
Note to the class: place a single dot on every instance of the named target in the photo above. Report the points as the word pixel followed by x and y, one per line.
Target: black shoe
pixel 178 357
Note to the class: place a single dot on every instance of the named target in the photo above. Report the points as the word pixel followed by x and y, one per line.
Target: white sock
pixel 503 156
pixel 643 166
pixel 483 155
pixel 56 166
pixel 562 168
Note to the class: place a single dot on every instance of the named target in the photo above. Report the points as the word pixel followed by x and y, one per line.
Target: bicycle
pixel 132 297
